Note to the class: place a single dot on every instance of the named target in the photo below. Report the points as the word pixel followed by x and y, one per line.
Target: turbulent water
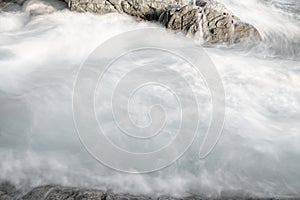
pixel 257 154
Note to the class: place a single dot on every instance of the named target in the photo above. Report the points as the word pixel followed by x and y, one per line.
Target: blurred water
pixel 259 150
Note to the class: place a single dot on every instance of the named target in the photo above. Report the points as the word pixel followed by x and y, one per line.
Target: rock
pixel 8 188
pixel 144 9
pixel 219 25
pixel 58 192
pixel 4 196
pixel 207 20
pixel 70 193
pixel 185 198
pixel 37 193
pixel 201 3
pixel 11 5
pixel 38 7
pixel 244 31
pixel 111 196
pixel 185 19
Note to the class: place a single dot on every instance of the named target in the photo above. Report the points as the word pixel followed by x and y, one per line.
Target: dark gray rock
pixel 185 198
pixel 11 5
pixel 8 188
pixel 69 193
pixel 111 196
pixel 64 193
pixel 4 196
pixel 37 193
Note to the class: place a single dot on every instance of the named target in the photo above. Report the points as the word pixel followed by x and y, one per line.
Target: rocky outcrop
pixel 221 25
pixel 68 193
pixel 209 20
pixel 63 193
pixel 55 192
pixel 144 9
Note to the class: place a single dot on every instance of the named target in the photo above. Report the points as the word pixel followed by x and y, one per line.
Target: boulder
pixel 219 25
pixel 144 9
pixel 207 20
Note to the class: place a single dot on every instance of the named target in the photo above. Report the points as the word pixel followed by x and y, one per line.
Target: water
pixel 258 153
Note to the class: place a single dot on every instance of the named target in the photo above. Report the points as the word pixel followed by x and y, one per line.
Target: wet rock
pixel 4 196
pixel 201 3
pixel 70 193
pixel 8 188
pixel 11 5
pixel 58 192
pixel 185 19
pixel 208 20
pixel 144 9
pixel 244 32
pixel 37 193
pixel 111 196
pixel 219 25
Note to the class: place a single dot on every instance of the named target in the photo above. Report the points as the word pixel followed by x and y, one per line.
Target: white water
pixel 259 151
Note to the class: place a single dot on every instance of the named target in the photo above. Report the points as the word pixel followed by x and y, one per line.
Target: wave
pixel 258 153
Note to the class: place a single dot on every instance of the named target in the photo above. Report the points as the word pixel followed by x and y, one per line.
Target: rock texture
pixel 209 20
pixel 4 196
pixel 33 7
pixel 54 192
pixel 144 9
pixel 68 193
pixel 11 5
pixel 221 25
pixel 185 19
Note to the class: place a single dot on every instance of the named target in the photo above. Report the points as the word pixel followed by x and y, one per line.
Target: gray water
pixel 258 152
